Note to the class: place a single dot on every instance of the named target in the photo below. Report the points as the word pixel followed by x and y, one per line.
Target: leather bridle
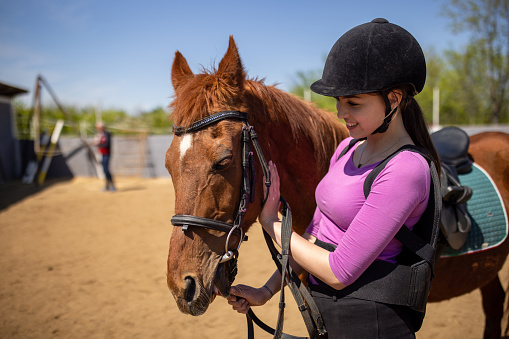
pixel 248 180
pixel 309 311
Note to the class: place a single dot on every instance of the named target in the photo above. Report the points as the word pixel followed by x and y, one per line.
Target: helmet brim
pixel 322 88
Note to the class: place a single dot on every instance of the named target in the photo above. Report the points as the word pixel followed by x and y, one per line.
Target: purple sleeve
pixel 399 193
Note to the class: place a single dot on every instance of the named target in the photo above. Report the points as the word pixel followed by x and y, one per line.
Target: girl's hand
pixel 242 297
pixel 270 210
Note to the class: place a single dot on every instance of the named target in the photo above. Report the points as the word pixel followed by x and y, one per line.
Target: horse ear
pixel 180 71
pixel 231 65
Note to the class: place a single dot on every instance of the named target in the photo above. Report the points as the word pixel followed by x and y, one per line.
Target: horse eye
pixel 223 163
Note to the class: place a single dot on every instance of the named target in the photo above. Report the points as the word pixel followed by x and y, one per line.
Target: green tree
pixel 473 91
pixel 435 66
pixel 157 120
pixel 113 116
pixel 487 54
pixel 301 89
pixel 23 115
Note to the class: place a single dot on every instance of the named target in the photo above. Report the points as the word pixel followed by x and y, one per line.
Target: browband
pixel 209 120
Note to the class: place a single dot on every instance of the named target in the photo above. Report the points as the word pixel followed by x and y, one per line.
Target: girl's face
pixel 363 113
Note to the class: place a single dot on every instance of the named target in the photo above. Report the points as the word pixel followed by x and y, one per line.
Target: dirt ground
pixel 78 263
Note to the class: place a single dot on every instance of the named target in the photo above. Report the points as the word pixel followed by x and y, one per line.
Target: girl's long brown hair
pixel 416 126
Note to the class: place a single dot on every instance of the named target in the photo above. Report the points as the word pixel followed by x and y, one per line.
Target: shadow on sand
pixel 15 191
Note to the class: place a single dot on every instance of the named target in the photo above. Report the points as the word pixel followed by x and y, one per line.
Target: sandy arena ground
pixel 78 263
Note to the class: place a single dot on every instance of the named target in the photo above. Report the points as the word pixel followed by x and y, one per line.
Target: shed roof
pixel 10 91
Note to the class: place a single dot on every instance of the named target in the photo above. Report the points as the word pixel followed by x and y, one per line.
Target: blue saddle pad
pixel 486 209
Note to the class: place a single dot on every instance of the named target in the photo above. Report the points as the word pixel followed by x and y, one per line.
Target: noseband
pixel 248 180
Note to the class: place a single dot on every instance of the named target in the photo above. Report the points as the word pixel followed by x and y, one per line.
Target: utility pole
pixel 436 108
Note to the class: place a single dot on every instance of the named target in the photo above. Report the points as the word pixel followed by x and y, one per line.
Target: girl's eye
pixel 349 102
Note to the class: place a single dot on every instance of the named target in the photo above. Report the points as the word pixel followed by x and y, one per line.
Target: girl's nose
pixel 341 111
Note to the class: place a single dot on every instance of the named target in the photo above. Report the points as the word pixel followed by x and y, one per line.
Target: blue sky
pixel 118 54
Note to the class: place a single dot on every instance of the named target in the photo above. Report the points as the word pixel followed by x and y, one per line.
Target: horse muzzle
pixel 193 298
pixel 191 294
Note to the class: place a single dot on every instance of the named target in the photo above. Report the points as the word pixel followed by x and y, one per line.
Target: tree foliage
pixel 155 121
pixel 301 89
pixel 473 82
pixel 483 67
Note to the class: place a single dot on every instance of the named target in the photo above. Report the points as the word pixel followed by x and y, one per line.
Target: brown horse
pixel 205 167
pixel 206 171
pixel 455 276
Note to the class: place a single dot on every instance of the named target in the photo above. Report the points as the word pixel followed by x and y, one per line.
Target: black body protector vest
pixel 408 282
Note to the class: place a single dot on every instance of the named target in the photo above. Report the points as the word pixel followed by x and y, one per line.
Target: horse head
pixel 206 170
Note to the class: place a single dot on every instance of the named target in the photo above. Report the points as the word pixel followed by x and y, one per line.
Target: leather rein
pixel 306 304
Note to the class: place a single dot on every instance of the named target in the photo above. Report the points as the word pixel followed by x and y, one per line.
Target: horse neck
pixel 300 149
pixel 287 120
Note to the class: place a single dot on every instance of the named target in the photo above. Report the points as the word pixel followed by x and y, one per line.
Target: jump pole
pixel 51 150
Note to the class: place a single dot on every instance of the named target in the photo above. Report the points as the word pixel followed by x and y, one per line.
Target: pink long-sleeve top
pixel 363 229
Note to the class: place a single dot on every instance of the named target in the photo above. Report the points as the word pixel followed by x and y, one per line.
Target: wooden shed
pixel 10 154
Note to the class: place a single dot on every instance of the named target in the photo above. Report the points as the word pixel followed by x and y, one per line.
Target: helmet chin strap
pixel 388 116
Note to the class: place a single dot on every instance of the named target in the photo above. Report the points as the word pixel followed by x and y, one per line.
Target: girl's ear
pixel 395 97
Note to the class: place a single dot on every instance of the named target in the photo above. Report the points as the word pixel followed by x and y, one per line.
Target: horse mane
pixel 208 93
pixel 304 118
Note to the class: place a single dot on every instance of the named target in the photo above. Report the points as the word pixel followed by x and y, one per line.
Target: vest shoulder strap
pixel 350 145
pixel 374 173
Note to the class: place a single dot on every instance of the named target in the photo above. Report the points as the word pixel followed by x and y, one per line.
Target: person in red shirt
pixel 103 142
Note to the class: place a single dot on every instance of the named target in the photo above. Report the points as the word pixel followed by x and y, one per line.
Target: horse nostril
pixel 190 288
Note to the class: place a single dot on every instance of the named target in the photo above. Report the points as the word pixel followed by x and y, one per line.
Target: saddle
pixel 452 144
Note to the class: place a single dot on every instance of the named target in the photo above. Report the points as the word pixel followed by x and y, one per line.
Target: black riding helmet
pixel 373 57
